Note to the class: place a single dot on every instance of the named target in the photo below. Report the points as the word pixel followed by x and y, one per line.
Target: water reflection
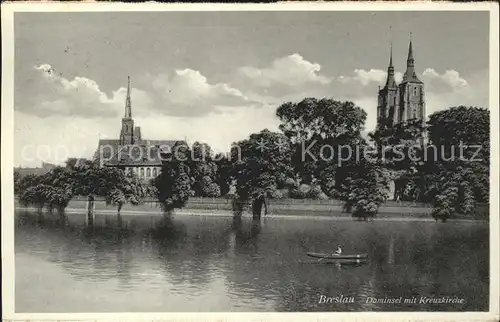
pixel 240 264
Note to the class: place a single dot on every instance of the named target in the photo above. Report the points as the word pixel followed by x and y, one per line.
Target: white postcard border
pixel 8 262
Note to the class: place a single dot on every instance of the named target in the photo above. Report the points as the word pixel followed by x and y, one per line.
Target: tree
pixel 46 196
pixel 399 147
pixel 52 190
pixel 17 180
pixel 91 179
pixel 365 185
pixel 209 188
pixel 204 171
pixel 117 187
pixel 25 182
pixel 456 171
pixel 174 183
pixel 260 162
pixel 224 175
pixel 129 189
pixel 323 133
pixel 55 189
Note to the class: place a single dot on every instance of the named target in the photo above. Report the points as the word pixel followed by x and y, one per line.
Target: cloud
pixel 292 70
pixel 184 93
pixel 53 94
pixel 75 113
pixel 54 138
pixel 188 93
pixel 367 77
pixel 449 80
pixel 286 76
pixel 442 90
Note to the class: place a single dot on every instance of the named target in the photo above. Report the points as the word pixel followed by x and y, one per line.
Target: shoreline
pixel 219 213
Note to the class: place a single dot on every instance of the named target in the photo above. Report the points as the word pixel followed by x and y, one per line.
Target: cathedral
pixel 131 152
pixel 403 102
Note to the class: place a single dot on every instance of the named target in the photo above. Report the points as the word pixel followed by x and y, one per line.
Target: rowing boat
pixel 354 262
pixel 333 256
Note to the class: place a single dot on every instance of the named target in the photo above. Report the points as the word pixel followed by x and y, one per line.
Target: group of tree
pixel 320 152
pixel 329 148
pixel 451 170
pixel 54 190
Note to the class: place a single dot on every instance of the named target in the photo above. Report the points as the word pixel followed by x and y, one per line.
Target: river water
pixel 144 263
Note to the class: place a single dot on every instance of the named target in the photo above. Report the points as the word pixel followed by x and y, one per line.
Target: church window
pixel 154 172
pixel 415 91
pixel 142 172
pixel 148 172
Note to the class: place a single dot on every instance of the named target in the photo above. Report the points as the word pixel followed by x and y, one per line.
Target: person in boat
pixel 338 252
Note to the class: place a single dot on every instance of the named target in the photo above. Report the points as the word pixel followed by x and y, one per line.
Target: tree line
pixel 320 152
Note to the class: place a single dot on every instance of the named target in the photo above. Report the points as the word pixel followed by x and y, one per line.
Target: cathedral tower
pixel 411 91
pixel 403 102
pixel 127 132
pixel 388 97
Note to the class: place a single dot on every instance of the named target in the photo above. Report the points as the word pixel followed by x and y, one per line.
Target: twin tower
pixel 403 102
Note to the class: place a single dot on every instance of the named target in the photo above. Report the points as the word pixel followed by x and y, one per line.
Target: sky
pixel 216 77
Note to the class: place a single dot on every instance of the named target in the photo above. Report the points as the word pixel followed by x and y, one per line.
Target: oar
pixel 321 259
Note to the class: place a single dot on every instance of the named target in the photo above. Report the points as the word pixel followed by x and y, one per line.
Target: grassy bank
pixel 277 207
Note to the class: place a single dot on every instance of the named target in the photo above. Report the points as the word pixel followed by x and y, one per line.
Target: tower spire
pixel 390 73
pixel 410 75
pixel 390 60
pixel 128 103
pixel 410 62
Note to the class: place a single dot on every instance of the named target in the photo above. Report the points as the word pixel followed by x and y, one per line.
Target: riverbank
pixel 324 209
pixel 199 212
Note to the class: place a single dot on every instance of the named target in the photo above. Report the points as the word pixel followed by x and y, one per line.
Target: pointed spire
pixel 128 103
pixel 410 62
pixel 390 73
pixel 410 74
pixel 390 60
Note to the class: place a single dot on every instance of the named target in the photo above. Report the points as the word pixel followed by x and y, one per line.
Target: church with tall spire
pixel 130 152
pixel 129 134
pixel 403 102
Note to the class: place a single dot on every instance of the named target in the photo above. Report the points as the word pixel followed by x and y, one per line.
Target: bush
pixel 322 196
pixel 43 195
pixel 314 192
pixel 290 183
pixel 279 194
pixel 300 192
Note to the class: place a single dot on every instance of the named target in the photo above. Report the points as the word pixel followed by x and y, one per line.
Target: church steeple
pixel 128 103
pixel 390 60
pixel 410 62
pixel 391 82
pixel 127 133
pixel 399 103
pixel 410 74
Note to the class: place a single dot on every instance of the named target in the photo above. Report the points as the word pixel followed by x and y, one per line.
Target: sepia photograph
pixel 255 158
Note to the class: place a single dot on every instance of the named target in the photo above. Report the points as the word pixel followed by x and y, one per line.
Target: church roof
pixel 146 153
pixel 142 152
pixel 410 75
pixel 46 167
pixel 391 82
